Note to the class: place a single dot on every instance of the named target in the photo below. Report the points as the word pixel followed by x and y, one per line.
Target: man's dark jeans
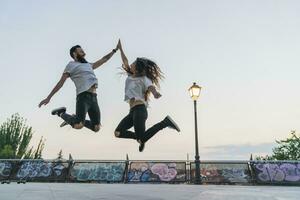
pixel 86 102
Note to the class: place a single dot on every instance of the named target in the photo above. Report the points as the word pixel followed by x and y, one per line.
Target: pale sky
pixel 243 53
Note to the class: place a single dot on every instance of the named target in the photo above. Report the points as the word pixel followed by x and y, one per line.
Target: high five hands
pixel 119 45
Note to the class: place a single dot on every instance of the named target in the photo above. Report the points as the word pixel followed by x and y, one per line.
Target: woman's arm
pixel 153 90
pixel 124 58
pixel 55 89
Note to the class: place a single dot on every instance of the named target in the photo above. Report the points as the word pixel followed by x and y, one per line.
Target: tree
pixel 15 137
pixel 60 155
pixel 288 149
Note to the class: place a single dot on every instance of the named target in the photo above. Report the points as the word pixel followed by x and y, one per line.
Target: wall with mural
pixel 5 169
pixel 40 171
pixel 223 172
pixel 226 172
pixel 156 172
pixel 98 171
pixel 277 172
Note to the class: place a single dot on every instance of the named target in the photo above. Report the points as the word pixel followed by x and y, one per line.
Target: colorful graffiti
pixel 5 169
pixel 222 173
pixel 277 172
pixel 109 172
pixel 264 172
pixel 156 172
pixel 40 170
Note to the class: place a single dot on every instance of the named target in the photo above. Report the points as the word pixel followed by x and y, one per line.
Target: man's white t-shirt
pixel 82 74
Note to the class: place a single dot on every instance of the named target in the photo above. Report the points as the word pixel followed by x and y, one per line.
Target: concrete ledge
pixel 80 191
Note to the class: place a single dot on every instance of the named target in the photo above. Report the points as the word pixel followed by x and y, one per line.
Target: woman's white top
pixel 136 87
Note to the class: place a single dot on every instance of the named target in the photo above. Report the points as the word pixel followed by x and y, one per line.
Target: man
pixel 82 74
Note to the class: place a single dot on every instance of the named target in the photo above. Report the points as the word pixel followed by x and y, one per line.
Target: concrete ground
pixel 77 191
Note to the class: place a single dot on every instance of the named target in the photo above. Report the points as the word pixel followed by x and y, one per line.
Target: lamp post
pixel 195 93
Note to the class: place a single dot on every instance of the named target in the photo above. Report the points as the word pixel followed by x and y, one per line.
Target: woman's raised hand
pixel 119 45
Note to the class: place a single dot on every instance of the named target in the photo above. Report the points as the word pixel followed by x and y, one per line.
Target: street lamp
pixel 195 93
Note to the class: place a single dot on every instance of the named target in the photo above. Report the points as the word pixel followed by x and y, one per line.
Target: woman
pixel 143 78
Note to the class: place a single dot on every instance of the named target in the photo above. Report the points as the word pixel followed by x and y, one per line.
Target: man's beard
pixel 81 59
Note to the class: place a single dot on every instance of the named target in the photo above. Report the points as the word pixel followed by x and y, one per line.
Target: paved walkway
pixel 77 191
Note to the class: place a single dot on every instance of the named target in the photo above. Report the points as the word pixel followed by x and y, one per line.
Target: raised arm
pixel 124 58
pixel 55 89
pixel 104 59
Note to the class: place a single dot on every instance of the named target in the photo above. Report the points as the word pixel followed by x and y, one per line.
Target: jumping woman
pixel 82 74
pixel 143 78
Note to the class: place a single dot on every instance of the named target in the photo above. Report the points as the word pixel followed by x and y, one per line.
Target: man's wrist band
pixel 114 50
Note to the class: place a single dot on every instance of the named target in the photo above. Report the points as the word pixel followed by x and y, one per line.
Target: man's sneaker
pixel 63 124
pixel 171 124
pixel 58 111
pixel 142 146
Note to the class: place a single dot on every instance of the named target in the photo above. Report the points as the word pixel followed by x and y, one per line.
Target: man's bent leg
pixel 94 127
pixel 70 119
pixel 97 128
pixel 78 125
pixel 94 114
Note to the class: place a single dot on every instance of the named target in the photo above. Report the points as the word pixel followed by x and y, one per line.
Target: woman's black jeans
pixel 137 118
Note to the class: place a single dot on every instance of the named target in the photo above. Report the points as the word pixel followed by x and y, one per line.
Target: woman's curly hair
pixel 146 67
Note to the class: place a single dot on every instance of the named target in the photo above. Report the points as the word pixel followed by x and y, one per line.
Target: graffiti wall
pixel 261 172
pixel 5 169
pixel 40 171
pixel 102 171
pixel 156 172
pixel 222 172
pixel 279 172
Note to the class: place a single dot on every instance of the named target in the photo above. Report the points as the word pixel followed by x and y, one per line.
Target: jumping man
pixel 82 74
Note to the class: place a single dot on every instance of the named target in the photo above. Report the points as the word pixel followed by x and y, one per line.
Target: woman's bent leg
pixel 122 129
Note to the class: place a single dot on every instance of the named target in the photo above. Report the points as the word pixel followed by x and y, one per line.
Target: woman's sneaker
pixel 59 111
pixel 171 123
pixel 142 146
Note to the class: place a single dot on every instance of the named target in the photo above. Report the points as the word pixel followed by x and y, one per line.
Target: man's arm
pixel 104 59
pixel 55 89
